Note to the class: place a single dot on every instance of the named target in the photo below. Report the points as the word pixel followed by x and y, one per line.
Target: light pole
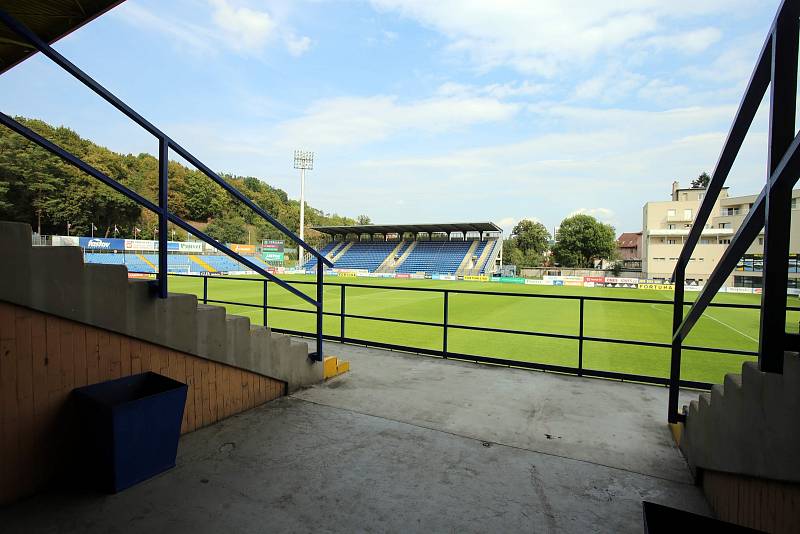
pixel 303 160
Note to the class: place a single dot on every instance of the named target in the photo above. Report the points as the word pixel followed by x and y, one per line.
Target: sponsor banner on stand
pixel 574 283
pixel 551 279
pixel 101 243
pixel 757 290
pixel 348 274
pixel 531 282
pixel 141 275
pixel 141 244
pixel 272 256
pixel 509 280
pixel 594 280
pixel 572 278
pixel 590 284
pixel 693 288
pixel 476 277
pixel 191 246
pixel 558 282
pixel 738 290
pixel 447 277
pixel 242 249
pixel 418 276
pixel 402 275
pixel 173 246
pixel 364 275
pixel 790 291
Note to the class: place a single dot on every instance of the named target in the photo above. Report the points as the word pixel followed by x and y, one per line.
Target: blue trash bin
pixel 130 428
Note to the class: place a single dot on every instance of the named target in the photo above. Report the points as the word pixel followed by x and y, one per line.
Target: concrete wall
pixel 55 280
pixel 44 357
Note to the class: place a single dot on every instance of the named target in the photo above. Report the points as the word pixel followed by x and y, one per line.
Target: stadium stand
pixel 177 263
pixel 430 256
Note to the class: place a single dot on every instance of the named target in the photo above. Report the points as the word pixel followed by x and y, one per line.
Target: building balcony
pixel 685 232
pixel 407 443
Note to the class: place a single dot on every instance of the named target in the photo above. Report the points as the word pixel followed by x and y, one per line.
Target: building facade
pixel 665 228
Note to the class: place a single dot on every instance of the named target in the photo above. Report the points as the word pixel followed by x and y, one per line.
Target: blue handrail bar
pixel 165 143
pixel 776 69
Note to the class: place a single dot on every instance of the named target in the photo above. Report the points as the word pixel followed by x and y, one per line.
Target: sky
pixel 421 111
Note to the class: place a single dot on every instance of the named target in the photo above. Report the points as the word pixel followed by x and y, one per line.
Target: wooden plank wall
pixel 43 357
pixel 765 505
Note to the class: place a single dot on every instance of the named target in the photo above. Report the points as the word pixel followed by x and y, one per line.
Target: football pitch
pixel 727 328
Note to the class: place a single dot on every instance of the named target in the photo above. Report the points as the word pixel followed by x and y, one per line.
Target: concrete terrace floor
pixel 406 443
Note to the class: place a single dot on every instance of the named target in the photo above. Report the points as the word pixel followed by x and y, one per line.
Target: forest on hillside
pixel 39 188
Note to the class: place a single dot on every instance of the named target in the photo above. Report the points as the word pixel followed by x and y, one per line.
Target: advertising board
pixel 242 249
pixel 191 246
pixel 271 256
pixel 739 290
pixel 657 287
pixel 532 282
pixel 594 280
pixel 477 277
pixel 575 283
pixel 402 275
pixel 101 243
pixel 141 244
pixel 617 280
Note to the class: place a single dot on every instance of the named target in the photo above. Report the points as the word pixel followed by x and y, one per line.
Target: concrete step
pixel 55 280
pixel 334 366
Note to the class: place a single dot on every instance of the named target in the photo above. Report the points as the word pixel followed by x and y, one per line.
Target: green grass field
pixel 719 327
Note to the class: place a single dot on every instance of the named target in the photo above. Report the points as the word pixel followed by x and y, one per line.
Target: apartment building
pixel 666 224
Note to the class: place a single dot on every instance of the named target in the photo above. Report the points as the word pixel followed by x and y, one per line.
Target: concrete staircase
pixel 387 266
pixel 55 280
pixel 466 263
pixel 393 267
pixel 336 256
pixel 748 425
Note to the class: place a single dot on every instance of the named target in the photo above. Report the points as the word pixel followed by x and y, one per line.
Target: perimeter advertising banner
pixel 271 256
pixel 594 279
pixel 532 282
pixel 657 286
pixel 100 243
pixel 242 249
pixel 476 277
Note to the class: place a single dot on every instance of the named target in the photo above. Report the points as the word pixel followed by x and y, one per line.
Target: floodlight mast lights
pixel 303 160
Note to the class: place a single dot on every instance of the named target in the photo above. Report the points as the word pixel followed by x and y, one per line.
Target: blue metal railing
pixel 161 208
pixel 776 69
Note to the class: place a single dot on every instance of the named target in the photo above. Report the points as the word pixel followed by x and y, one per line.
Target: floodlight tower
pixel 303 160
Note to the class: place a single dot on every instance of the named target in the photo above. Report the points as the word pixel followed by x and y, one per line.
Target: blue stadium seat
pixel 365 255
pixel 442 257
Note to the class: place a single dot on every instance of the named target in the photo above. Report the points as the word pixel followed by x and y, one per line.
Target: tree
pixel 701 182
pixel 363 219
pixel 228 229
pixel 581 239
pixel 531 237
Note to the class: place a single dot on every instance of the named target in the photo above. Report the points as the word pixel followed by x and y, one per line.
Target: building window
pixel 672 241
pixel 670 227
pixel 724 225
pixel 704 242
pixel 687 215
pixel 724 241
pixel 760 240
pixel 726 212
pixel 794 203
pixel 670 213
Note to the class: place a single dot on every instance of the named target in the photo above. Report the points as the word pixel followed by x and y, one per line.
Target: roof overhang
pixel 445 228
pixel 49 19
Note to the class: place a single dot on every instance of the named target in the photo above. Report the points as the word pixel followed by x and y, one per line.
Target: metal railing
pixel 161 208
pixel 775 69
pixel 446 326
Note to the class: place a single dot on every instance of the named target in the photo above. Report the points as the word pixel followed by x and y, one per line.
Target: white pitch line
pixel 704 314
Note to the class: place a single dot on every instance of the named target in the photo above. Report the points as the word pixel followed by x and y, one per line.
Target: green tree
pixel 580 239
pixel 701 182
pixel 230 229
pixel 363 219
pixel 527 244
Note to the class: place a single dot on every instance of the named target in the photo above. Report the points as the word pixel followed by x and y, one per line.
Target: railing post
pixel 163 210
pixel 205 290
pixel 580 341
pixel 342 309
pixel 675 355
pixel 778 211
pixel 265 303
pixel 318 356
pixel 444 324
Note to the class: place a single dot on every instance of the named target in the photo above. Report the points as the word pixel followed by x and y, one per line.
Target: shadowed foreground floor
pixel 402 444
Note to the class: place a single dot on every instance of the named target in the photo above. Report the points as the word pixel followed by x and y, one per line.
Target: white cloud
pixel 244 28
pixel 601 214
pixel 227 26
pixel 358 121
pixel 501 91
pixel 541 37
pixel 508 223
